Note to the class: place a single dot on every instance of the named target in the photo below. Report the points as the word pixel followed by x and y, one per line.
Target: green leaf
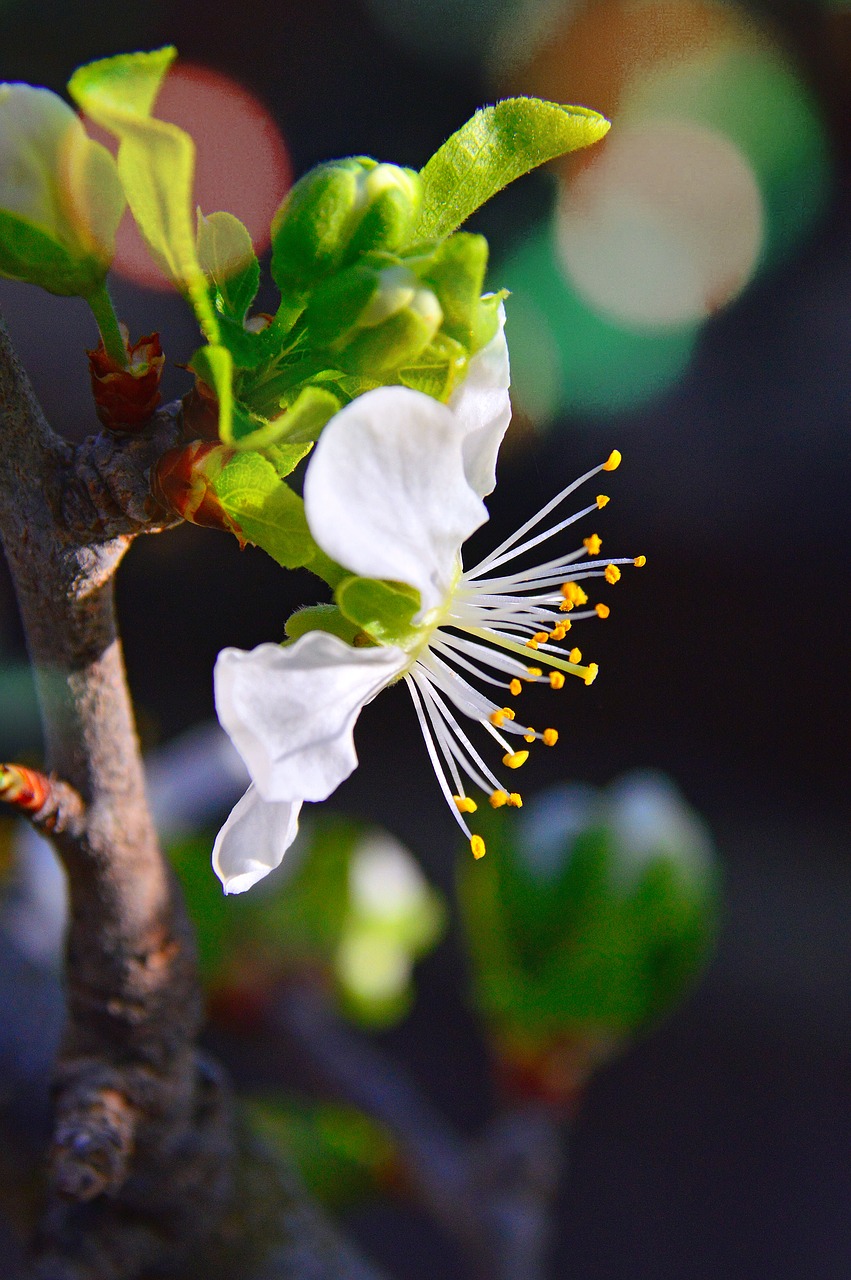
pixel 265 509
pixel 497 145
pixel 286 457
pixel 439 370
pixel 214 365
pixel 156 163
pixel 322 617
pixel 229 262
pixel 382 609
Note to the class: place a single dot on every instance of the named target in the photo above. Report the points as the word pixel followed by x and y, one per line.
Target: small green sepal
pixel 384 610
pixel 324 617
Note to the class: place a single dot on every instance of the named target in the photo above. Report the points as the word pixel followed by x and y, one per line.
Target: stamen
pixel 602 610
pixel 556 680
pixel 515 800
pixel 530 736
pixel 613 461
pixel 498 799
pixel 497 719
pixel 640 562
pixel 477 845
pixel 592 544
pixel 573 594
pixel 602 500
pixel 612 574
pixel 464 804
pixel 515 686
pixel 515 759
pixel 575 655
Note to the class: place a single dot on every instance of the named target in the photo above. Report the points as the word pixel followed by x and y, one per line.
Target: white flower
pixel 394 489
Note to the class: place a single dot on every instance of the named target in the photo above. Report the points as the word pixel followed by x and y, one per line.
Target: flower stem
pixel 107 322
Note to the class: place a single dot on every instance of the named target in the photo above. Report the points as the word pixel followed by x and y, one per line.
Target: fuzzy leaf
pixel 229 262
pixel 382 609
pixel 497 145
pixel 265 509
pixel 156 163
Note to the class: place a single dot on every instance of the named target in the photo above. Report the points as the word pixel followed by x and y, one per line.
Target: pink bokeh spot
pixel 242 165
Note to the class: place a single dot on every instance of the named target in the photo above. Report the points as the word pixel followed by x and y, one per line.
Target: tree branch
pixel 493 1196
pixel 142 1160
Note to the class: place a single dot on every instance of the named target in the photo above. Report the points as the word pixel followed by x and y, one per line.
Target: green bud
pixel 373 319
pixel 592 915
pixel 337 212
pixel 60 195
pixel 456 273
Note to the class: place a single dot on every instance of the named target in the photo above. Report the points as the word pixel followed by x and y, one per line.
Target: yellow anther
pixel 602 610
pixel 530 735
pixel 575 655
pixel 558 632
pixel 602 500
pixel 498 799
pixel 515 800
pixel 613 461
pixel 508 713
pixel 541 636
pixel 550 737
pixel 497 719
pixel 464 804
pixel 612 574
pixel 572 592
pixel 534 672
pixel 592 673
pixel 556 680
pixel 514 687
pixel 532 643
pixel 640 562
pixel 565 606
pixel 514 759
pixel 477 844
pixel 592 545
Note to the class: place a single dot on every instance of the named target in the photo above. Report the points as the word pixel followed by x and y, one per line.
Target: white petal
pixel 483 409
pixel 290 711
pixel 254 840
pixel 386 494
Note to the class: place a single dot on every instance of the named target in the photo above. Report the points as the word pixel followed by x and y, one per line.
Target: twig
pixel 493 1196
pixel 142 1156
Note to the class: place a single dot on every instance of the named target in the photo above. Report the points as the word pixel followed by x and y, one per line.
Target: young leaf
pixel 382 609
pixel 497 145
pixel 229 262
pixel 265 509
pixel 156 163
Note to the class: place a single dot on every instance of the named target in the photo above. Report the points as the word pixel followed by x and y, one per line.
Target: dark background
pixel 720 1145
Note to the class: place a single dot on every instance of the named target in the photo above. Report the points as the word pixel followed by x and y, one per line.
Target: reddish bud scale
pixel 126 398
pixel 26 789
pixel 554 1073
pixel 201 412
pixel 184 481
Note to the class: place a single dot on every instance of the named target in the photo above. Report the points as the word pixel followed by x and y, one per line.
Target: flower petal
pixel 386 494
pixel 483 409
pixel 290 710
pixel 254 839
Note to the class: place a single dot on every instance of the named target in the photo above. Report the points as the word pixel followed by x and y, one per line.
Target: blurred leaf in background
pixel 341 1154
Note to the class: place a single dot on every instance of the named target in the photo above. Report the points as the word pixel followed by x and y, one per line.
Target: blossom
pixel 394 489
pixel 61 198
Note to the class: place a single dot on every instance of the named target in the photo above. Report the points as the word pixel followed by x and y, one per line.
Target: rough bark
pixel 141 1166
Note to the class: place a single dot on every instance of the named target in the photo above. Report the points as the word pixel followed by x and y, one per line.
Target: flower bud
pixel 125 398
pixel 373 319
pixel 593 919
pixel 184 481
pixel 60 195
pixel 337 212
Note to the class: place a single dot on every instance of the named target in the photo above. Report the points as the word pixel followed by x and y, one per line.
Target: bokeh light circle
pixel 663 226
pixel 242 162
